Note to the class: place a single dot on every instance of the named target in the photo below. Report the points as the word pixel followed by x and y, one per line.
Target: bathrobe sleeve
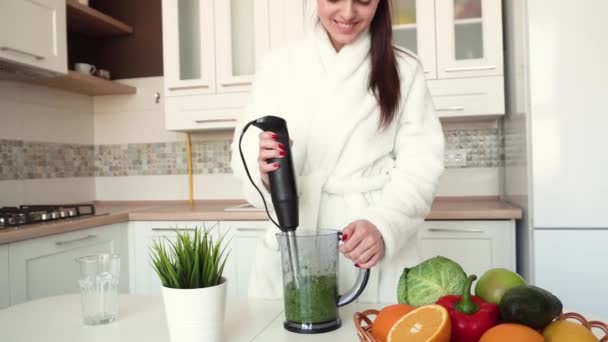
pixel 406 199
pixel 262 101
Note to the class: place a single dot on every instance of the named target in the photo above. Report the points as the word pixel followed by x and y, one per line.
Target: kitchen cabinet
pixel 243 237
pixel 33 33
pixel 476 245
pixel 4 278
pixel 142 235
pixel 46 266
pixel 210 51
pixel 459 43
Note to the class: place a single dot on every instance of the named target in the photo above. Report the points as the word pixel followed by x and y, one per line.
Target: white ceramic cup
pixel 85 68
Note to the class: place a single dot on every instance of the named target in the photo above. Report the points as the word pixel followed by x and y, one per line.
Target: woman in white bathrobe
pixel 367 144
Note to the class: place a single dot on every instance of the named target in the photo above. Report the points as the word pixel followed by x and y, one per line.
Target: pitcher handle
pixel 357 289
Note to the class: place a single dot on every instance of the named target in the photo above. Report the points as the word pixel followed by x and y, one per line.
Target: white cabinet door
pixel 188 46
pixel 4 278
pixel 242 39
pixel 469 38
pixel 142 235
pixel 210 52
pixel 46 266
pixel 414 29
pixel 33 32
pixel 286 21
pixel 476 245
pixel 243 237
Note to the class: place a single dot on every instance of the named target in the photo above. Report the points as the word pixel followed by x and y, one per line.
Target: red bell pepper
pixel 470 316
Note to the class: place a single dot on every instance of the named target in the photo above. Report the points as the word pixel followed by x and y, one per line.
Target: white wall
pixel 38 114
pixel 138 119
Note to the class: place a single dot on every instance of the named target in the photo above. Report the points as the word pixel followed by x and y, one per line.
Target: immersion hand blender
pixel 282 186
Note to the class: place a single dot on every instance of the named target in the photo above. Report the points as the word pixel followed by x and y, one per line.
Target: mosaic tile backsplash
pixel 33 160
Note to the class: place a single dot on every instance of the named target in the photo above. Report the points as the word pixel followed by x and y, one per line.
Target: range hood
pixel 15 71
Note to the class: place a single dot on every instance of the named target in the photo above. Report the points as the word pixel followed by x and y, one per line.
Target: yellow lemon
pixel 567 331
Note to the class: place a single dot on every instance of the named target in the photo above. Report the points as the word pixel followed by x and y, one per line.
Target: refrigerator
pixel 556 146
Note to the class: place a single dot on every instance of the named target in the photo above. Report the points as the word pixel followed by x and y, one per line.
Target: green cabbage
pixel 430 280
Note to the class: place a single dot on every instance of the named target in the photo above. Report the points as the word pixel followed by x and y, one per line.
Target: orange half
pixel 428 323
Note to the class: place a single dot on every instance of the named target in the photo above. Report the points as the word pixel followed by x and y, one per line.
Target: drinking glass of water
pixel 99 287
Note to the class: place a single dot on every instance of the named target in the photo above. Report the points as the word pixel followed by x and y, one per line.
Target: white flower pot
pixel 195 315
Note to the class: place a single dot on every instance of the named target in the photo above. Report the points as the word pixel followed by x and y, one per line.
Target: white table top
pixel 141 318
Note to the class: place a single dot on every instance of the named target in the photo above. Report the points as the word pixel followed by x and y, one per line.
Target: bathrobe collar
pixel 340 65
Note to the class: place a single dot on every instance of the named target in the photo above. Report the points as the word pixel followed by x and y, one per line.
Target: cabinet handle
pixel 232 84
pixel 475 68
pixel 445 230
pixel 67 242
pixel 185 87
pixel 214 120
pixel 8 48
pixel 173 229
pixel 250 229
pixel 449 109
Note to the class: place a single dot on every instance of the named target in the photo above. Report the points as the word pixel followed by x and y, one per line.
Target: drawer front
pixel 476 245
pixel 47 266
pixel 481 96
pixel 204 112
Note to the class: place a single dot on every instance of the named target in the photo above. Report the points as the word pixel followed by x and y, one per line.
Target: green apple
pixel 495 282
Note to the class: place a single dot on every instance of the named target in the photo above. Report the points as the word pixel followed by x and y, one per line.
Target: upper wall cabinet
pixel 459 43
pixel 211 48
pixel 33 34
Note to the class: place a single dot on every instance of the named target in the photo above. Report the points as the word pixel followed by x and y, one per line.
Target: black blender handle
pixel 282 180
pixel 358 287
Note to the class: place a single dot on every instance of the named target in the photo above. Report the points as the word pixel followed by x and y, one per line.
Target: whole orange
pixel 509 332
pixel 387 317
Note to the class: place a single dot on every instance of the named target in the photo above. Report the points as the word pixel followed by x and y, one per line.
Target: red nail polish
pixel 344 237
pixel 281 146
pixel 274 136
pixel 277 165
pixel 357 265
pixel 282 153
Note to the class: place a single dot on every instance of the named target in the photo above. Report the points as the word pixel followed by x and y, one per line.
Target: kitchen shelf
pixel 86 84
pixel 91 22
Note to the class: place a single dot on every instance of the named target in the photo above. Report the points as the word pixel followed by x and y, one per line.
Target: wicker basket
pixel 364 322
pixel 591 325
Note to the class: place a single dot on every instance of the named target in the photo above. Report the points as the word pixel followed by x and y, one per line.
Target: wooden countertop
pixel 444 208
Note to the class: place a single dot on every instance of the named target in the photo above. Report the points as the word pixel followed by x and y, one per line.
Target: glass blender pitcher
pixel 311 302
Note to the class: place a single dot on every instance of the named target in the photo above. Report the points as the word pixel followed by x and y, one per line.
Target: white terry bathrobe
pixel 347 169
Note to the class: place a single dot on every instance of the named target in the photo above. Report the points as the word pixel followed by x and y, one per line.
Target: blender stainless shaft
pixel 292 250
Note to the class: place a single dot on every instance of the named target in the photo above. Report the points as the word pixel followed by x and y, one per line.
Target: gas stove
pixel 31 214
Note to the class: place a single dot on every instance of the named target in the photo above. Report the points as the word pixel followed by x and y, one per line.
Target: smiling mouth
pixel 346 27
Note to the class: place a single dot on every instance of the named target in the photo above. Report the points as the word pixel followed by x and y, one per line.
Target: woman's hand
pixel 269 148
pixel 363 243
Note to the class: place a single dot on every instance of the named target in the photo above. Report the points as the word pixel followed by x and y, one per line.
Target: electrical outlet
pixel 456 157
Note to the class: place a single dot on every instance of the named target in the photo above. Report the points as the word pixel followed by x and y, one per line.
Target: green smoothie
pixel 314 301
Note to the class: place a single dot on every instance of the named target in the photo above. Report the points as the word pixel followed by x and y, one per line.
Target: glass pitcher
pixel 99 275
pixel 311 302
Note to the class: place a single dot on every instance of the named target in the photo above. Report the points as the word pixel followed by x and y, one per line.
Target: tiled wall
pixel 32 160
pixel 46 145
pixel 116 147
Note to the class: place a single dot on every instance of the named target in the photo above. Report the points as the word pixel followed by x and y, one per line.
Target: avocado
pixel 529 305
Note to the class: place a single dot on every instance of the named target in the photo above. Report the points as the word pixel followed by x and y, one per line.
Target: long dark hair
pixel 384 78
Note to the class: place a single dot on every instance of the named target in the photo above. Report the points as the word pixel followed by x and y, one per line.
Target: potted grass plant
pixel 194 290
